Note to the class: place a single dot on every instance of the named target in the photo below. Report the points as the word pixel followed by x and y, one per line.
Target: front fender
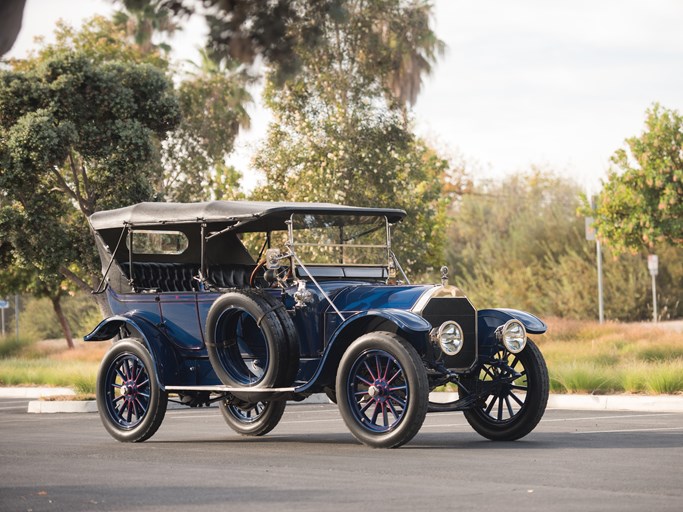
pixel 489 319
pixel 406 324
pixel 158 345
pixel 492 318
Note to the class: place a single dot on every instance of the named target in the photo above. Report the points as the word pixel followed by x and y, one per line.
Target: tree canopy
pixel 341 131
pixel 519 243
pixel 641 204
pixel 76 136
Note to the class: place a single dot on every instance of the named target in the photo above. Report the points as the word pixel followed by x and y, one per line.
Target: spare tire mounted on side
pixel 250 341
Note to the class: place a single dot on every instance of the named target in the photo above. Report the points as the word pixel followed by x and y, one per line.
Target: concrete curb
pixel 59 406
pixel 34 392
pixel 659 403
pixel 636 403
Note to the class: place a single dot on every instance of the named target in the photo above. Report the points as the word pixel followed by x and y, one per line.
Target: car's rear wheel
pixel 129 399
pixel 514 390
pixel 382 390
pixel 252 419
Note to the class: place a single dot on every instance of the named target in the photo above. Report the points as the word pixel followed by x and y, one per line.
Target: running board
pixel 227 389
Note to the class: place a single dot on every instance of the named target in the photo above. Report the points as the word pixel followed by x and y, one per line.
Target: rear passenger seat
pixel 181 277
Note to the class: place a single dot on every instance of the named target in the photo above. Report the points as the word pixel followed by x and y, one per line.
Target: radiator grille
pixel 439 310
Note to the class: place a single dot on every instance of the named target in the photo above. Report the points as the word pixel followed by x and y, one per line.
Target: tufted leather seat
pixel 181 277
pixel 230 276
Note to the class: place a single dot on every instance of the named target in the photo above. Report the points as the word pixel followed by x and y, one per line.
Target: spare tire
pixel 248 344
pixel 288 328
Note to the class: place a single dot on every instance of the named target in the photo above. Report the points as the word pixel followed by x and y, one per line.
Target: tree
pixel 76 136
pixel 518 243
pixel 341 133
pixel 140 19
pixel 641 205
pixel 213 106
pixel 245 31
pixel 213 99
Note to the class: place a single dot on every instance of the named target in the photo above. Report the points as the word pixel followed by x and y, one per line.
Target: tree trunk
pixel 100 298
pixel 57 306
pixel 102 303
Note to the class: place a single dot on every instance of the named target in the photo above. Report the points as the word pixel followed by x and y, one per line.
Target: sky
pixel 557 85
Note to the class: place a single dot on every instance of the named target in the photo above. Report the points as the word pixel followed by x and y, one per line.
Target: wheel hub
pixel 129 390
pixel 379 390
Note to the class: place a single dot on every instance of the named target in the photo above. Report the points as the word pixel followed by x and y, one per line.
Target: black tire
pixel 247 342
pixel 249 419
pixel 289 330
pixel 129 400
pixel 513 405
pixel 381 373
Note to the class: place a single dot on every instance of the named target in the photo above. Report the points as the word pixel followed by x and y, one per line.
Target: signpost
pixel 653 267
pixel 3 306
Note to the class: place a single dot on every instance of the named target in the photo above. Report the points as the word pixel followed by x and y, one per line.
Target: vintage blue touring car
pixel 252 304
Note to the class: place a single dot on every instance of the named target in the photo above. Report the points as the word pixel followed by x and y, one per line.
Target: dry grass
pixel 582 357
pixel 586 357
pixel 51 363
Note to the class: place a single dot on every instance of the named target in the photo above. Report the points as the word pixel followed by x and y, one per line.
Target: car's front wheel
pixel 252 419
pixel 514 393
pixel 130 402
pixel 382 390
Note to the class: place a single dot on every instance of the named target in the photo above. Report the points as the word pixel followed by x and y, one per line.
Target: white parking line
pixel 625 415
pixel 447 425
pixel 628 430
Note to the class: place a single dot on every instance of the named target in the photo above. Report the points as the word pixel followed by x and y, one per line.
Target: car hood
pixel 363 297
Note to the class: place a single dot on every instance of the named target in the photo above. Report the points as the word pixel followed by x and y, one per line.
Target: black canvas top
pixel 259 215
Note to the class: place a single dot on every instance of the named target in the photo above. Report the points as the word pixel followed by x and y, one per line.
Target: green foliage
pixel 79 310
pixel 518 243
pixel 641 205
pixel 77 134
pixel 365 166
pixel 48 372
pixel 100 40
pixel 141 19
pixel 340 133
pixel 213 105
pixel 11 346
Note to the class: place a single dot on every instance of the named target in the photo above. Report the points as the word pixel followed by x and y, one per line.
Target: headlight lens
pixel 513 336
pixel 450 338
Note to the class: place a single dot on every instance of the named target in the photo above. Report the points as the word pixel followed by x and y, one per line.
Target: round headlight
pixel 450 338
pixel 513 336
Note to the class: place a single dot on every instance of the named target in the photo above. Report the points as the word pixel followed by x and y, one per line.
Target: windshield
pixel 340 239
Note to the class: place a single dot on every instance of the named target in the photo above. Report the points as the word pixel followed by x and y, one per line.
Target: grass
pixel 586 357
pixel 582 357
pixel 50 363
pixel 10 346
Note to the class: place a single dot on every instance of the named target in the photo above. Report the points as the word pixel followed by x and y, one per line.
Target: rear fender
pixel 490 319
pixel 157 343
pixel 411 327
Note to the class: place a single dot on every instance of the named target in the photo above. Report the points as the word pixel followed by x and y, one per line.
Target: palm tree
pixel 141 19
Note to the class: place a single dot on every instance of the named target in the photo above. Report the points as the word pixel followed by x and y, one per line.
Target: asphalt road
pixel 573 461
